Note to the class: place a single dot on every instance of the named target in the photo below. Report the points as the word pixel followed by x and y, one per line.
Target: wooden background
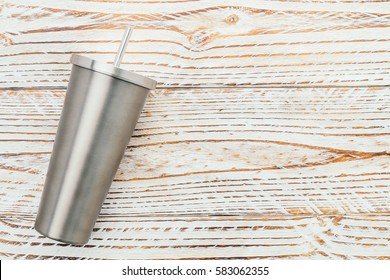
pixel 268 135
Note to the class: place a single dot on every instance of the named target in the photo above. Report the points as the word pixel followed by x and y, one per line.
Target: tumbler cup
pixel 102 106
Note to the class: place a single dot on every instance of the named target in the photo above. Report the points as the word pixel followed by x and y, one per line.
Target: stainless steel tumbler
pixel 102 106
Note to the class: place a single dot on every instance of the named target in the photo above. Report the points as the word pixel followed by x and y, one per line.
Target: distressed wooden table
pixel 268 135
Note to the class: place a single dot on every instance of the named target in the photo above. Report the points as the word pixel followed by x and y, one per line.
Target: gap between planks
pixel 266 86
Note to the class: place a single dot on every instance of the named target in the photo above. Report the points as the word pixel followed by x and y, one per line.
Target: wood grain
pixel 221 151
pixel 177 237
pixel 201 43
pixel 268 136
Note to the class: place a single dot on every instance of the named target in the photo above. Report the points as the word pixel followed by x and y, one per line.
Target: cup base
pixel 59 239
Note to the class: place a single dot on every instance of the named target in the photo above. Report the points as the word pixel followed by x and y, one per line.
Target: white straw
pixel 122 47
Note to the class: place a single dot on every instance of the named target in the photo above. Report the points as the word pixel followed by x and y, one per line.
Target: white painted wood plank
pixel 221 151
pixel 200 43
pixel 177 237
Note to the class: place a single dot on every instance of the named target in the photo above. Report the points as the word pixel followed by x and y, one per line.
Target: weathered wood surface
pixel 296 169
pixel 201 43
pixel 177 237
pixel 250 153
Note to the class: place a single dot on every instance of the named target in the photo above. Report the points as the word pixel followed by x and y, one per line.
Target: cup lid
pixel 113 71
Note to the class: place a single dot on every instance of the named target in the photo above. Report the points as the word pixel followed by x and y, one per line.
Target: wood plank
pixel 220 151
pixel 177 237
pixel 201 43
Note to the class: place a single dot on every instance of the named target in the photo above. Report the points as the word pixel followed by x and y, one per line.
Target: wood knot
pixel 232 19
pixel 5 41
pixel 200 38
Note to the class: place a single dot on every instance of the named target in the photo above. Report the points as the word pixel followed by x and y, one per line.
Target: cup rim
pixel 113 71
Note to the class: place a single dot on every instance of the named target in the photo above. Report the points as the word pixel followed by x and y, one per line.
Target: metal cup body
pixel 98 118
